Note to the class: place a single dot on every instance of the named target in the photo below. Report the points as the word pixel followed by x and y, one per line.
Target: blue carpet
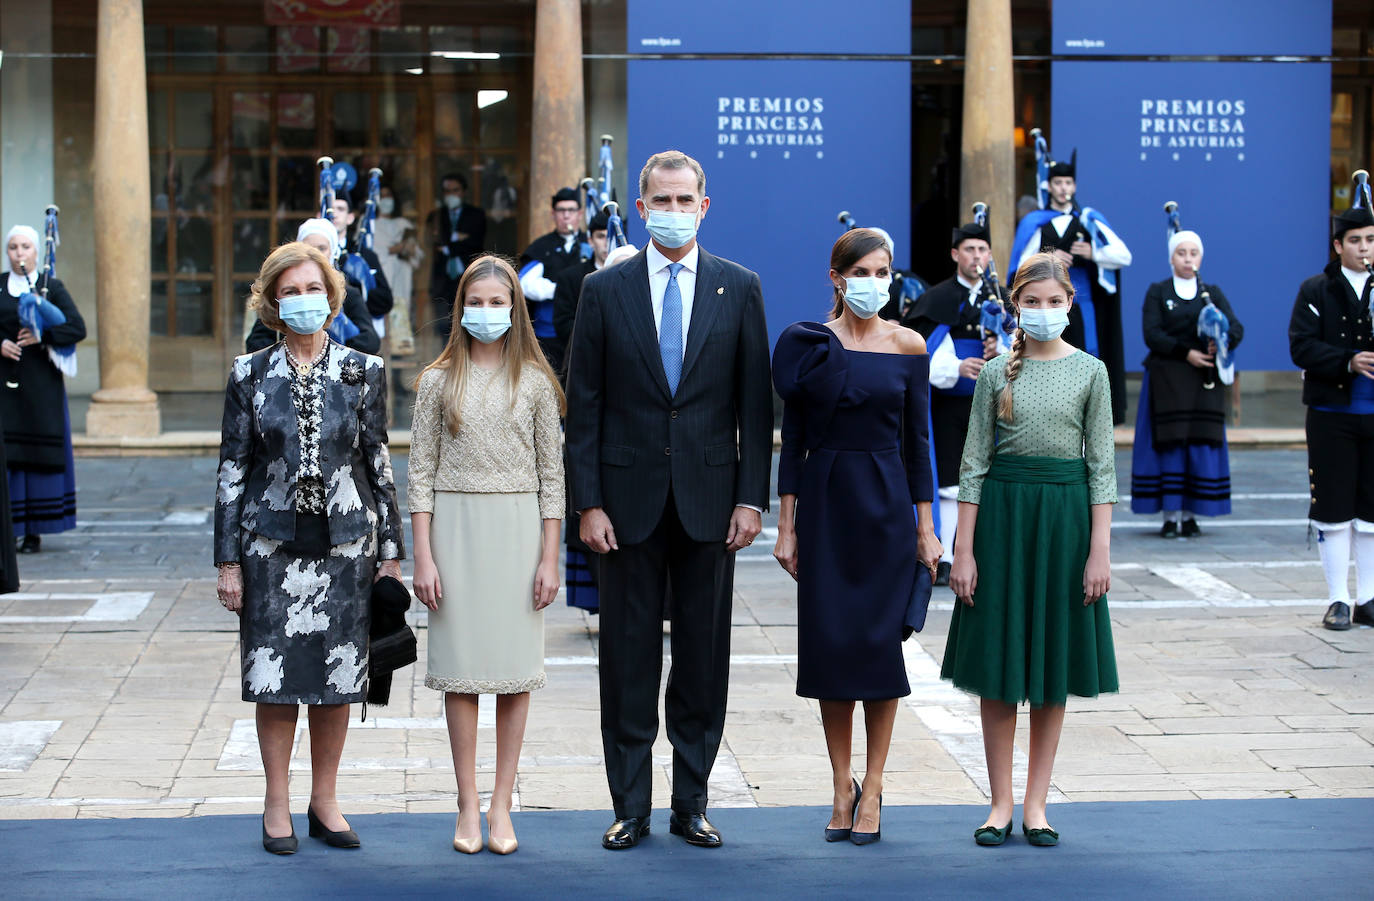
pixel 1307 849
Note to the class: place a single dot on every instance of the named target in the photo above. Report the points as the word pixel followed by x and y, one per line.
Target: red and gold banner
pixel 360 13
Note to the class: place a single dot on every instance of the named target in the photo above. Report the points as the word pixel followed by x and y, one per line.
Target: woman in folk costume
pixel 400 254
pixel 33 398
pixel 1180 464
pixel 1032 556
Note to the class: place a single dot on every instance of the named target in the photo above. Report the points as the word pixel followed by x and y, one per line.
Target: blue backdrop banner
pixel 1245 150
pixel 786 145
pixel 863 27
pixel 1192 28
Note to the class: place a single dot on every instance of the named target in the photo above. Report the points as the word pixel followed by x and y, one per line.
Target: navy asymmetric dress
pixel 855 451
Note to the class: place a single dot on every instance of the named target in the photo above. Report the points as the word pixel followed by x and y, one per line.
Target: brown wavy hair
pixel 1037 268
pixel 521 349
pixel 263 298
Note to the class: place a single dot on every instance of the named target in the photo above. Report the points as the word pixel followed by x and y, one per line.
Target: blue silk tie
pixel 670 329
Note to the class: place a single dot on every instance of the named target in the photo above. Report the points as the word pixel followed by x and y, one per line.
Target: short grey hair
pixel 671 159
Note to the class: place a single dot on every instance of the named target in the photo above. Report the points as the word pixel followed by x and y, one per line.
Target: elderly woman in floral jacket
pixel 305 521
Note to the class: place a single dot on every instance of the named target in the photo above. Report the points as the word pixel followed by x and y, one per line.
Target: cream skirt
pixel 486 637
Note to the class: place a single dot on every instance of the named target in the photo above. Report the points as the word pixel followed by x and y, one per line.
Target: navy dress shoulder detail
pixel 856 454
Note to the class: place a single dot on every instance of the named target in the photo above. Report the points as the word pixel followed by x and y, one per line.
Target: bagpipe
pixel 36 312
pixel 599 197
pixel 355 266
pixel 332 177
pixel 1212 323
pixel 1363 201
pixel 906 286
pixel 995 319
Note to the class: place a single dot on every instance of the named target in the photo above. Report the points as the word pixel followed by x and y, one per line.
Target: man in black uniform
pixel 568 285
pixel 950 321
pixel 1081 238
pixel 379 299
pixel 456 232
pixel 544 261
pixel 1330 338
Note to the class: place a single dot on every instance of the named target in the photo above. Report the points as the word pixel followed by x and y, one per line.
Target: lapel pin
pixel 720 290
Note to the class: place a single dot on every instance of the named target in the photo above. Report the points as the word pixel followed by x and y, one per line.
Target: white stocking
pixel 1333 541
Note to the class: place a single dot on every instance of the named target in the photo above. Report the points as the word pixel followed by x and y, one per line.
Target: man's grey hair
pixel 671 159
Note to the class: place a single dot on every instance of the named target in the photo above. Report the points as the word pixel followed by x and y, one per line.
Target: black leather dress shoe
pixel 1337 616
pixel 1363 614
pixel 1190 529
pixel 625 833
pixel 695 828
pixel 1169 530
pixel 30 544
pixel 942 572
pixel 344 838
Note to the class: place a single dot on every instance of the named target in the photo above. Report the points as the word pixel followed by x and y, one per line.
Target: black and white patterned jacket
pixel 260 453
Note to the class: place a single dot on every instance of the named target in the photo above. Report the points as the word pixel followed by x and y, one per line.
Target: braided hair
pixel 1038 268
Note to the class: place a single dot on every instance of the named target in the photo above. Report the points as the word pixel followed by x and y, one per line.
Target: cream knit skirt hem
pixel 486 636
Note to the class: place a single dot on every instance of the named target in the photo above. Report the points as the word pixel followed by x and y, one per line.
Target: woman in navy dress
pixel 855 458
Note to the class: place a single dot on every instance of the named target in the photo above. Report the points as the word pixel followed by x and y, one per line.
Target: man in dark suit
pixel 669 432
pixel 456 235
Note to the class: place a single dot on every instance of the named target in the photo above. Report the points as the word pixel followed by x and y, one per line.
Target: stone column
pixel 123 406
pixel 988 171
pixel 557 131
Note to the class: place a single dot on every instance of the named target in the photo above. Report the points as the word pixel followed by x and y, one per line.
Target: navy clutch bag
pixel 917 604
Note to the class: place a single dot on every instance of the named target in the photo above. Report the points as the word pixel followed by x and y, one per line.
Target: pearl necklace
pixel 304 368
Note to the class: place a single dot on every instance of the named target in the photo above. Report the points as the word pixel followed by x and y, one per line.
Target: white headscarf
pixel 1180 237
pixel 27 231
pixel 325 229
pixel 623 252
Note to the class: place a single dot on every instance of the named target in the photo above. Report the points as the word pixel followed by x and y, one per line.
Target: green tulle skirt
pixel 1028 636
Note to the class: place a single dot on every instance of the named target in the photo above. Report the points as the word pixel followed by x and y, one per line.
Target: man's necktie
pixel 670 329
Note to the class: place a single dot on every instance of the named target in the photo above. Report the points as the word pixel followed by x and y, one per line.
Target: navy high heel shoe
pixel 867 838
pixel 839 835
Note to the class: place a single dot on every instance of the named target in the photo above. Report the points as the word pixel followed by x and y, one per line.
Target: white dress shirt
pixel 686 282
pixel 1356 277
pixel 944 362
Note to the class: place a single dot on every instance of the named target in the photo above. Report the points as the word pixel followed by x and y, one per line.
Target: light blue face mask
pixel 672 230
pixel 1044 325
pixel 304 314
pixel 486 324
pixel 866 295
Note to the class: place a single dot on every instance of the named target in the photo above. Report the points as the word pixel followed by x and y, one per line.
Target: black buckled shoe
pixel 1169 530
pixel 625 833
pixel 1190 529
pixel 345 838
pixel 1337 616
pixel 942 570
pixel 695 829
pixel 30 544
pixel 1363 614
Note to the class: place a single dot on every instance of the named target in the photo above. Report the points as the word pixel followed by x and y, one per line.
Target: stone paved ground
pixel 119 691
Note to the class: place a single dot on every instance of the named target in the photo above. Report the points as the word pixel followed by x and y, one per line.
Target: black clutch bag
pixel 917 604
pixel 391 643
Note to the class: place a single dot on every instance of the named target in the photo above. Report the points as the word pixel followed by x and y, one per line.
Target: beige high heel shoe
pixel 466 845
pixel 502 845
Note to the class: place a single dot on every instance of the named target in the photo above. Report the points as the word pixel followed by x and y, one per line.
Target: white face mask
pixel 1045 325
pixel 386 205
pixel 866 295
pixel 486 324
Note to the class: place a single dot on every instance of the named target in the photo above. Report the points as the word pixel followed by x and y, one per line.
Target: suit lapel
pixel 638 306
pixel 706 302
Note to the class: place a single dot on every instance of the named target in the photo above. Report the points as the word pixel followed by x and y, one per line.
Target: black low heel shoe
pixel 867 838
pixel 839 835
pixel 345 839
pixel 287 844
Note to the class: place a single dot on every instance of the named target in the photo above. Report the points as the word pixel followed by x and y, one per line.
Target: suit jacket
pixel 472 221
pixel 630 442
pixel 1328 327
pixel 260 453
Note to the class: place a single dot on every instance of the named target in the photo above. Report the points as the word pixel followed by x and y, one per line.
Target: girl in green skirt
pixel 1032 554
